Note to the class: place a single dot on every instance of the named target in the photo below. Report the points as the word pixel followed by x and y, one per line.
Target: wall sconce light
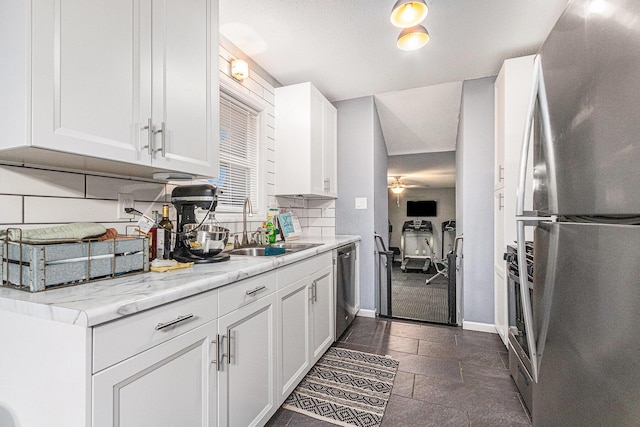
pixel 407 14
pixel 413 38
pixel 239 69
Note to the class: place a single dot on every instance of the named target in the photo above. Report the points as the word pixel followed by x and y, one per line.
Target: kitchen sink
pixel 274 249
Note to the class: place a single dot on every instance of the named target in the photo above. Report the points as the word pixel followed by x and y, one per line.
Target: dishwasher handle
pixel 345 251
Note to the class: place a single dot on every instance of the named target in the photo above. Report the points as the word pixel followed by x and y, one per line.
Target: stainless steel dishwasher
pixel 345 288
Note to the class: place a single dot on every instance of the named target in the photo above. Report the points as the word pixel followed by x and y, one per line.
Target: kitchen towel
pixel 73 232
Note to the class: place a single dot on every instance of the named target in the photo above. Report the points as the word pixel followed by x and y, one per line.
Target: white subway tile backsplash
pixel 328 231
pixel 313 231
pixel 10 209
pixel 58 210
pixel 314 213
pixel 322 222
pixel 328 213
pixel 39 182
pixel 322 203
pixel 99 187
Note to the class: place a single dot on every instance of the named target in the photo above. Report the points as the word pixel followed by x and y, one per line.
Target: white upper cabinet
pixel 129 81
pixel 306 143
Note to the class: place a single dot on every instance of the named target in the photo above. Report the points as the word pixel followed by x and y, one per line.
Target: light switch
pixel 361 203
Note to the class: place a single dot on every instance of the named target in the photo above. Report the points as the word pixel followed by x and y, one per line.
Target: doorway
pixel 422 233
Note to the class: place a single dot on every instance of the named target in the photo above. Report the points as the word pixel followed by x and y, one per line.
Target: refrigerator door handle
pixel 527 309
pixel 526 139
pixel 539 92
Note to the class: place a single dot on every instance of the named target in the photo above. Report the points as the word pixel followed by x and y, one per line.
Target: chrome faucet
pixel 245 239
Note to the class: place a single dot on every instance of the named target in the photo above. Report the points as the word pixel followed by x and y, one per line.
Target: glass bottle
pixel 152 235
pixel 166 226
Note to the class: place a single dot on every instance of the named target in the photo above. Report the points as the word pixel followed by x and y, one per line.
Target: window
pixel 239 141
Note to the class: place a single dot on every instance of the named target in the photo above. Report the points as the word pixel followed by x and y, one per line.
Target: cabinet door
pixel 316 169
pixel 293 336
pixel 501 307
pixel 185 85
pixel 499 120
pixel 172 384
pixel 88 72
pixel 247 378
pixel 330 118
pixel 322 312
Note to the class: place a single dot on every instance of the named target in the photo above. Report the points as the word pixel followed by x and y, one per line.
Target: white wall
pixel 362 168
pixel 474 184
pixel 446 198
pixel 40 196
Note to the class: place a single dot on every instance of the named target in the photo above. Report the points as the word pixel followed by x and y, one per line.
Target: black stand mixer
pixel 198 241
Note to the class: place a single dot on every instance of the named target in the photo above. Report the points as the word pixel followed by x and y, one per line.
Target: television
pixel 422 208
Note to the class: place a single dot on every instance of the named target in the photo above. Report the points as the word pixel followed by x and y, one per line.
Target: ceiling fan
pixel 396 187
pixel 397 184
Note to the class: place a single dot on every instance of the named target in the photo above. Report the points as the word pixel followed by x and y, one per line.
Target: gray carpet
pixel 412 299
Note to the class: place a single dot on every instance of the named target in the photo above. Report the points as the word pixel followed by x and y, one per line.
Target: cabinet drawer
pixel 294 272
pixel 239 294
pixel 123 338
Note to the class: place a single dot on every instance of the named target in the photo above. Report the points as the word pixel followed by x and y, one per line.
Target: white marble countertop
pixel 101 301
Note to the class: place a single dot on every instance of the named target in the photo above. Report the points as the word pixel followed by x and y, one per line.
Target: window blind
pixel 238 177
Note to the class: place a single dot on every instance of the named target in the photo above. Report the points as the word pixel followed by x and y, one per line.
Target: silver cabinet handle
pixel 177 320
pixel 221 354
pixel 314 291
pixel 229 346
pixel 163 139
pixel 500 173
pixel 255 291
pixel 215 360
pixel 327 185
pixel 150 133
pixel 500 201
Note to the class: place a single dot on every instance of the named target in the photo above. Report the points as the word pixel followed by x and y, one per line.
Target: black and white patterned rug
pixel 346 388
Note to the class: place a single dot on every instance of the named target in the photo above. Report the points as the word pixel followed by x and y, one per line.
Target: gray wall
pixel 474 160
pixel 362 171
pixel 446 198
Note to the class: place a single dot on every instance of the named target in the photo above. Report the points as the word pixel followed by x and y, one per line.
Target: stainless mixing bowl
pixel 206 240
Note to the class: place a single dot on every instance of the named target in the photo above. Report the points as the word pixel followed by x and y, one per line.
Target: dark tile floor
pixel 447 376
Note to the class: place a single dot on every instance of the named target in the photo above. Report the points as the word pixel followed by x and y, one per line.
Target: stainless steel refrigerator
pixel 583 323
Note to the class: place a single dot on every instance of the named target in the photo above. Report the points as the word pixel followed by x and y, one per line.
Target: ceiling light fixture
pixel 239 69
pixel 407 14
pixel 413 38
pixel 396 188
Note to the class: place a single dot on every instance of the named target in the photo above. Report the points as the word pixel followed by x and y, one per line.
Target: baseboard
pixel 480 327
pixel 363 312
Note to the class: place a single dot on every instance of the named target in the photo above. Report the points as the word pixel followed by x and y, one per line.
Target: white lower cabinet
pixel 306 323
pixel 322 312
pixel 247 368
pixel 172 384
pixel 225 357
pixel 293 337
